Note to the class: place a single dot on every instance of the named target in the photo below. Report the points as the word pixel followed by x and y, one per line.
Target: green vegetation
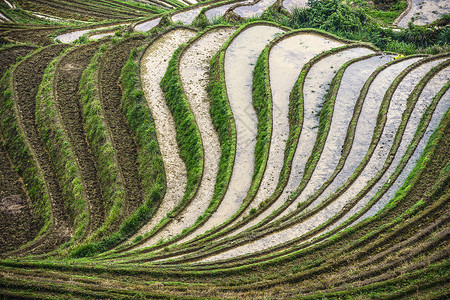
pixel 21 154
pixel 99 138
pixel 357 24
pixel 188 136
pixel 346 247
pixel 58 146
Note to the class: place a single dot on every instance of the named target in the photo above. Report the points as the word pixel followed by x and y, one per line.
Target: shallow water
pixel 291 4
pixel 430 90
pixel 253 10
pixel 286 60
pixel 188 16
pixel 153 67
pixel 365 125
pixel 377 160
pixel 425 12
pixel 194 72
pixel 47 17
pixel 100 35
pixel 314 221
pixel 69 37
pixel 352 81
pixel 240 59
pixel 315 88
pixel 147 26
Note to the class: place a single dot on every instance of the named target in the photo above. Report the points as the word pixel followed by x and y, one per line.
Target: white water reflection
pixel 240 58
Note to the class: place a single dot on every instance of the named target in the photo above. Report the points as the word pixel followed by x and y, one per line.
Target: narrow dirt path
pixel 153 67
pixel 67 78
pixel 194 72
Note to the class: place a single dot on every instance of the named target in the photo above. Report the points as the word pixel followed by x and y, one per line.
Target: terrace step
pixel 154 64
pixel 66 84
pixel 240 54
pixel 315 86
pixel 26 85
pixel 310 223
pixel 193 67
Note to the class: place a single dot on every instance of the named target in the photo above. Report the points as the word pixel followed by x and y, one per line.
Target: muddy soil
pixel 18 224
pixel 68 101
pixel 122 136
pixel 75 9
pixel 8 56
pixel 153 67
pixel 194 72
pixel 27 79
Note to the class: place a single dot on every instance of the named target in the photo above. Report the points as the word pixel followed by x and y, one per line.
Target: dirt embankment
pixel 27 78
pixel 122 136
pixel 18 224
pixel 67 80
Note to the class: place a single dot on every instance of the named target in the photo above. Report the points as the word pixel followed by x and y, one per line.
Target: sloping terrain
pixel 169 149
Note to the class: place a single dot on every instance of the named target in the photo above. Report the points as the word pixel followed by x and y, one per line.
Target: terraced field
pixel 182 149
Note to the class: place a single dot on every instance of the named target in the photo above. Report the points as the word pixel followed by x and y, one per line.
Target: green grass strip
pixel 55 139
pixel 99 138
pixel 140 120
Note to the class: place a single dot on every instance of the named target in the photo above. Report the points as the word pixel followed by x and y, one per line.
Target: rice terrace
pixel 241 149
